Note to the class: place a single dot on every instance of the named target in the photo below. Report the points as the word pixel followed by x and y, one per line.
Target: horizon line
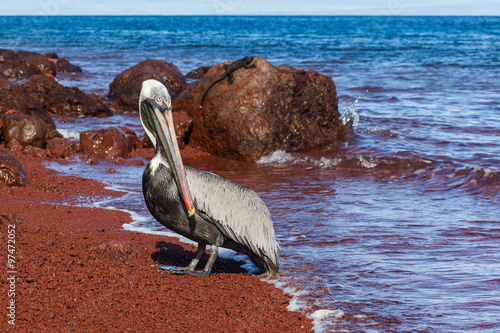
pixel 256 15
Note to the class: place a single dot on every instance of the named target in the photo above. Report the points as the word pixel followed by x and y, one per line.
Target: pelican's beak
pixel 156 115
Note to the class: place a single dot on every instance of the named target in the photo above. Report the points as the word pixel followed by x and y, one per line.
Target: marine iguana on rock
pixel 228 72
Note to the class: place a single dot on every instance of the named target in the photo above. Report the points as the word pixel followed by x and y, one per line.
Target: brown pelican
pixel 200 205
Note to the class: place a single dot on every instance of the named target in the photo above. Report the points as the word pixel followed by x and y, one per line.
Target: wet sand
pixel 78 270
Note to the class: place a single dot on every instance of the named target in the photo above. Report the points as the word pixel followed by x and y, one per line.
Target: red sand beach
pixel 76 269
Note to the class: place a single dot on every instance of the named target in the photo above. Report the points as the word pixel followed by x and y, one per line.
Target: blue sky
pixel 250 7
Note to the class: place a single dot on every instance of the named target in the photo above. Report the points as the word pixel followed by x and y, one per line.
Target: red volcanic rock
pixel 12 171
pixel 126 86
pixel 63 65
pixel 265 109
pixel 107 143
pixel 26 130
pixel 62 100
pixel 14 98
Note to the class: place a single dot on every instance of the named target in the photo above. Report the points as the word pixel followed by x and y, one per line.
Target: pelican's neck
pixel 159 158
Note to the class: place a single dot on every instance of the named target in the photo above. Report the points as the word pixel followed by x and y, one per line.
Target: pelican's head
pixel 155 109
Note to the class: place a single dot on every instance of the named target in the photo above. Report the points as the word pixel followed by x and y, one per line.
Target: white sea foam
pixel 67 134
pixel 318 317
pixel 277 157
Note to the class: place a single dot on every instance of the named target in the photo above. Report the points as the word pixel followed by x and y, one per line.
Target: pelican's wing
pixel 238 211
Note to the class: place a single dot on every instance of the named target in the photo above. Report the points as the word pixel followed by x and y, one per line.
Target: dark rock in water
pixel 265 109
pixel 135 163
pixel 64 65
pixel 198 73
pixel 12 171
pixel 27 130
pixel 92 161
pixel 62 100
pixel 126 86
pixel 107 143
pixel 111 105
pixel 22 65
pixel 15 98
pixel 40 64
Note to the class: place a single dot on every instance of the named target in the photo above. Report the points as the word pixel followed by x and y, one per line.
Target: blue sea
pixel 396 229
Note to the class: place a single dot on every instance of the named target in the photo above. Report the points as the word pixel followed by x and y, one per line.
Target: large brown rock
pixel 27 130
pixel 108 143
pixel 126 86
pixel 12 171
pixel 62 100
pixel 265 109
pixel 15 98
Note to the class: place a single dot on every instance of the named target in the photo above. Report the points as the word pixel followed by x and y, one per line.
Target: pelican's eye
pixel 158 99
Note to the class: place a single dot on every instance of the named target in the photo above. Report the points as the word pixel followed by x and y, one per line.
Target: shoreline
pixel 78 269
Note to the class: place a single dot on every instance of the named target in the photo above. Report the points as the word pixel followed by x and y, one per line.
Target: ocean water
pixel 395 229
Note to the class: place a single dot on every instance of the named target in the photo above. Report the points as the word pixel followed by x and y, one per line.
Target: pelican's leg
pixel 214 251
pixel 199 253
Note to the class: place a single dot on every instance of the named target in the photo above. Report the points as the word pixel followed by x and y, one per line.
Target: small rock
pixel 47 315
pixel 59 147
pixel 125 248
pixel 110 170
pixel 26 130
pixel 107 143
pixel 115 255
pixel 135 163
pixel 64 65
pixel 119 161
pixel 13 145
pixel 38 152
pixel 92 161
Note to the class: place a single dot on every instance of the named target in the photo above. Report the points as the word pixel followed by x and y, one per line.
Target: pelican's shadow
pixel 175 255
